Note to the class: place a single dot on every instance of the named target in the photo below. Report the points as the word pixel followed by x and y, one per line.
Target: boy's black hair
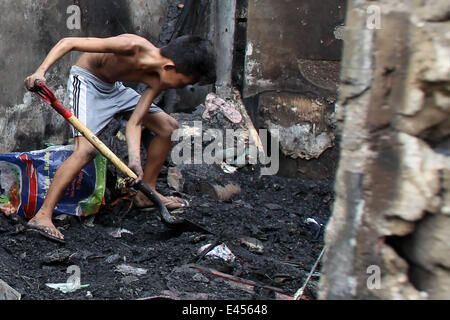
pixel 193 56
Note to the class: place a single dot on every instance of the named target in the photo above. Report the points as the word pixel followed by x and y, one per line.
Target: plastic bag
pixel 25 179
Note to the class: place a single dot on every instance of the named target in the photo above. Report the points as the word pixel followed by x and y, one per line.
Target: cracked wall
pixel 291 75
pixel 392 185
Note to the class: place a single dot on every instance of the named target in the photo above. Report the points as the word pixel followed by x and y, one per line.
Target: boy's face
pixel 176 80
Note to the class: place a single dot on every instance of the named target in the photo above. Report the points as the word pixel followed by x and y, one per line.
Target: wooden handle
pixel 96 142
pixel 47 95
pixel 166 217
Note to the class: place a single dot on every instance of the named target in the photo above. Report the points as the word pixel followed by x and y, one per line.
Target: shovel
pixel 47 95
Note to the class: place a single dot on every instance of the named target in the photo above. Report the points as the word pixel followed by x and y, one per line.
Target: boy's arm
pixel 134 128
pixel 123 44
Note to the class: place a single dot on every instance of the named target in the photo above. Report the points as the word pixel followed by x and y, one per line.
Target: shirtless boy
pixel 97 94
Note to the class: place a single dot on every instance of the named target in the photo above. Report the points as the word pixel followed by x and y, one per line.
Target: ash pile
pixel 259 236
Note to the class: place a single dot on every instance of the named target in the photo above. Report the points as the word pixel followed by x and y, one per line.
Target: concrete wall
pixel 388 237
pixel 291 76
pixel 28 31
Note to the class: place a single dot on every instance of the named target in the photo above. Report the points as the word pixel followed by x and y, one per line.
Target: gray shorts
pixel 95 102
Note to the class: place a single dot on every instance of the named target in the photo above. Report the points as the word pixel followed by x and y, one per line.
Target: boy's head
pixel 193 57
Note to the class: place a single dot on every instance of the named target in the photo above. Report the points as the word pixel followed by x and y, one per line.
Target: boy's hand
pixel 30 80
pixel 136 168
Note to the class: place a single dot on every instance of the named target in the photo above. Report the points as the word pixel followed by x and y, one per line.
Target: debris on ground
pixel 130 270
pixel 218 252
pixel 264 224
pixel 252 244
pixel 59 255
pixel 66 287
pixel 117 233
pixel 27 261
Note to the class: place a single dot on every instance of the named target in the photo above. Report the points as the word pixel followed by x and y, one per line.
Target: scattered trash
pixel 197 239
pixel 212 103
pixel 8 293
pixel 252 245
pixel 89 222
pixel 56 256
pixel 228 168
pixel 113 258
pixel 243 284
pixel 89 295
pixel 218 192
pixel 122 186
pixel 121 136
pixel 66 286
pixel 117 233
pixel 127 270
pixel 279 279
pixel 317 226
pixel 175 179
pixel 219 252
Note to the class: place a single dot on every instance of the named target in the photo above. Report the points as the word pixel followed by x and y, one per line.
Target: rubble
pixel 218 192
pixel 117 233
pixel 249 227
pixel 301 140
pixel 66 287
pixel 111 265
pixel 218 252
pixel 182 285
pixel 114 258
pixel 57 256
pixel 130 270
pixel 252 244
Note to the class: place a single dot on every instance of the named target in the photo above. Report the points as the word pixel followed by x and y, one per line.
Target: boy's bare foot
pixel 45 227
pixel 171 203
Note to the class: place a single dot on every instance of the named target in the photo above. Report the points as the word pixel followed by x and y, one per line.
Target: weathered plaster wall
pixel 28 30
pixel 392 187
pixel 291 76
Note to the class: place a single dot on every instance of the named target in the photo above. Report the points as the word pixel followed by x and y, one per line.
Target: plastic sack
pixel 26 177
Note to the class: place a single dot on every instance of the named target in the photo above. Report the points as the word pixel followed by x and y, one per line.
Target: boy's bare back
pixel 125 57
pixel 136 63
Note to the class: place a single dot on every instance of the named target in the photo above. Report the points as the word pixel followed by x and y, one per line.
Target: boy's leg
pixel 83 153
pixel 163 125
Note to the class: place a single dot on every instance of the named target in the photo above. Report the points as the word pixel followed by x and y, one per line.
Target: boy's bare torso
pixel 138 66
